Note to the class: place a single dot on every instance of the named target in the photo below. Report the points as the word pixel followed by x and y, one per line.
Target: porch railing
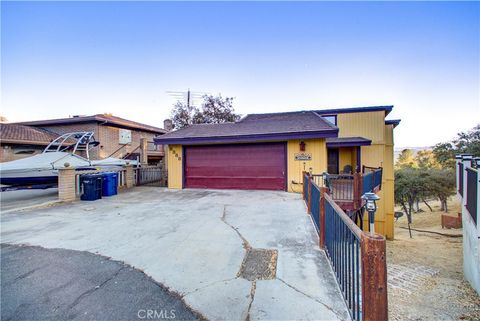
pixel 358 259
pixel 346 190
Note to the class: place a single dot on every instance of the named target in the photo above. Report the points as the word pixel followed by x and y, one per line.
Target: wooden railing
pixel 151 174
pixel 358 259
pixel 347 190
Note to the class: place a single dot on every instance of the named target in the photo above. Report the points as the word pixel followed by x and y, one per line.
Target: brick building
pixel 117 137
pixel 19 141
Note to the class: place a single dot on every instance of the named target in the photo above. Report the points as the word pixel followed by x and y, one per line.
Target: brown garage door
pixel 245 166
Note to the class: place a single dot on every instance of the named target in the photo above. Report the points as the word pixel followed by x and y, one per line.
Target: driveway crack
pixel 246 245
pixel 206 286
pixel 312 298
pixel 252 297
pixel 90 291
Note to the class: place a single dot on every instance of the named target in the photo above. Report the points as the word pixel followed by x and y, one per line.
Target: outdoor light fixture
pixel 302 146
pixel 371 206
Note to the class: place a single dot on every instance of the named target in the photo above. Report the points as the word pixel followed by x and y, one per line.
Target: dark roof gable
pixel 99 118
pixel 255 127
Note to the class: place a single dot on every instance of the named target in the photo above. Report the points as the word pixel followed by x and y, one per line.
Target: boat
pixel 42 169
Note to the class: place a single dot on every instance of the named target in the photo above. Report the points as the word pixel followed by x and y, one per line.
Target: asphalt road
pixel 43 284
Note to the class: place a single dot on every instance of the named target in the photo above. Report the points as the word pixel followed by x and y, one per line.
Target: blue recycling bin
pixel 109 184
pixel 91 186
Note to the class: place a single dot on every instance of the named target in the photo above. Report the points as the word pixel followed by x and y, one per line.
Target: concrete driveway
pixel 194 242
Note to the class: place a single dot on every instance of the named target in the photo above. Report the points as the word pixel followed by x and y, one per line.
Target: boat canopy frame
pixel 83 141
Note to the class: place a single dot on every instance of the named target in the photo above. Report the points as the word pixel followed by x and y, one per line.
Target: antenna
pixel 190 98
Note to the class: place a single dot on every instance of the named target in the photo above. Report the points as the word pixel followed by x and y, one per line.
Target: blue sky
pixel 63 58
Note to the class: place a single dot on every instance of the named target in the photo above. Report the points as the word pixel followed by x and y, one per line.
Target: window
pixel 331 118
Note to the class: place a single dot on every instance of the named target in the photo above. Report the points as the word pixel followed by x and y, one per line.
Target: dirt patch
pixel 259 264
pixel 425 277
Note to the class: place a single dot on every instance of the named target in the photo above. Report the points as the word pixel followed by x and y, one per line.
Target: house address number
pixel 303 157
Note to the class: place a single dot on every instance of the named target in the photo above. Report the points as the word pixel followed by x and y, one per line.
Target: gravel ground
pixel 425 278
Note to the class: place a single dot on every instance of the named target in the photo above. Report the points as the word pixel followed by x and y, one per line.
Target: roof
pixel 99 118
pixel 393 122
pixel 347 141
pixel 15 133
pixel 255 127
pixel 386 109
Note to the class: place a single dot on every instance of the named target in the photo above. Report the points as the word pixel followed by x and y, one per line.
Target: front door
pixel 333 160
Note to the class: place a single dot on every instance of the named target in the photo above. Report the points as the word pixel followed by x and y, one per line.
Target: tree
pixel 406 159
pixel 409 185
pixel 442 185
pixel 425 159
pixel 214 110
pixel 465 143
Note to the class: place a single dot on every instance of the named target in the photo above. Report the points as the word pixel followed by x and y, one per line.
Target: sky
pixel 60 59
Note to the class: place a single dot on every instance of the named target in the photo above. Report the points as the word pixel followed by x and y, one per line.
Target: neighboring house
pixel 19 141
pixel 468 191
pixel 118 137
pixel 270 152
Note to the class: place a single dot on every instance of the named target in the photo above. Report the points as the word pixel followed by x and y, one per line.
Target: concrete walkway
pixel 194 243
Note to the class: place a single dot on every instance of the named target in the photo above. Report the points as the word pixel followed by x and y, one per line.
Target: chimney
pixel 167 125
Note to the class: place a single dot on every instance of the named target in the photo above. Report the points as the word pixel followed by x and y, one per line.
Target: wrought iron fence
pixel 358 259
pixel 472 193
pixel 315 205
pixel 342 245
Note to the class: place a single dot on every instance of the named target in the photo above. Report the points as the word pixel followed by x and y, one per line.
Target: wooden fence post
pixel 321 232
pixel 357 190
pixel 374 278
pixel 66 184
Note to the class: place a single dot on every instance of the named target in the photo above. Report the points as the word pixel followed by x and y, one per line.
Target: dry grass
pixel 441 296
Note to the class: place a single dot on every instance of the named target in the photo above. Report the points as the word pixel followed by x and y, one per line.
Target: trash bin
pixel 109 184
pixel 91 186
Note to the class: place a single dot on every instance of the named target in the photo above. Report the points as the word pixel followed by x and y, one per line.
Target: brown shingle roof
pixel 99 118
pixel 15 133
pixel 255 127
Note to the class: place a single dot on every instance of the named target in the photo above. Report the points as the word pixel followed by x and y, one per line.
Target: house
pixel 468 192
pixel 19 141
pixel 117 137
pixel 271 151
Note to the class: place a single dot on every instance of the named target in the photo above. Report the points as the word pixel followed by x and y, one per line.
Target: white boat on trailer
pixel 42 169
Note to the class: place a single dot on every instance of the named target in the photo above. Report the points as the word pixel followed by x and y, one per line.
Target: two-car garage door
pixel 240 166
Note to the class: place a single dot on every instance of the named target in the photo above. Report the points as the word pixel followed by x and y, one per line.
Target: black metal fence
pixel 315 205
pixel 472 193
pixel 342 245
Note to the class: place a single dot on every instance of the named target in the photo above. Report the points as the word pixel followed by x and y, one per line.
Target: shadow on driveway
pixel 44 284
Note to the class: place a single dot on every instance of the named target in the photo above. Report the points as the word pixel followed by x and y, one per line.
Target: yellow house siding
pixel 371 125
pixel 318 164
pixel 389 181
pixel 346 157
pixel 175 166
pixel 367 124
